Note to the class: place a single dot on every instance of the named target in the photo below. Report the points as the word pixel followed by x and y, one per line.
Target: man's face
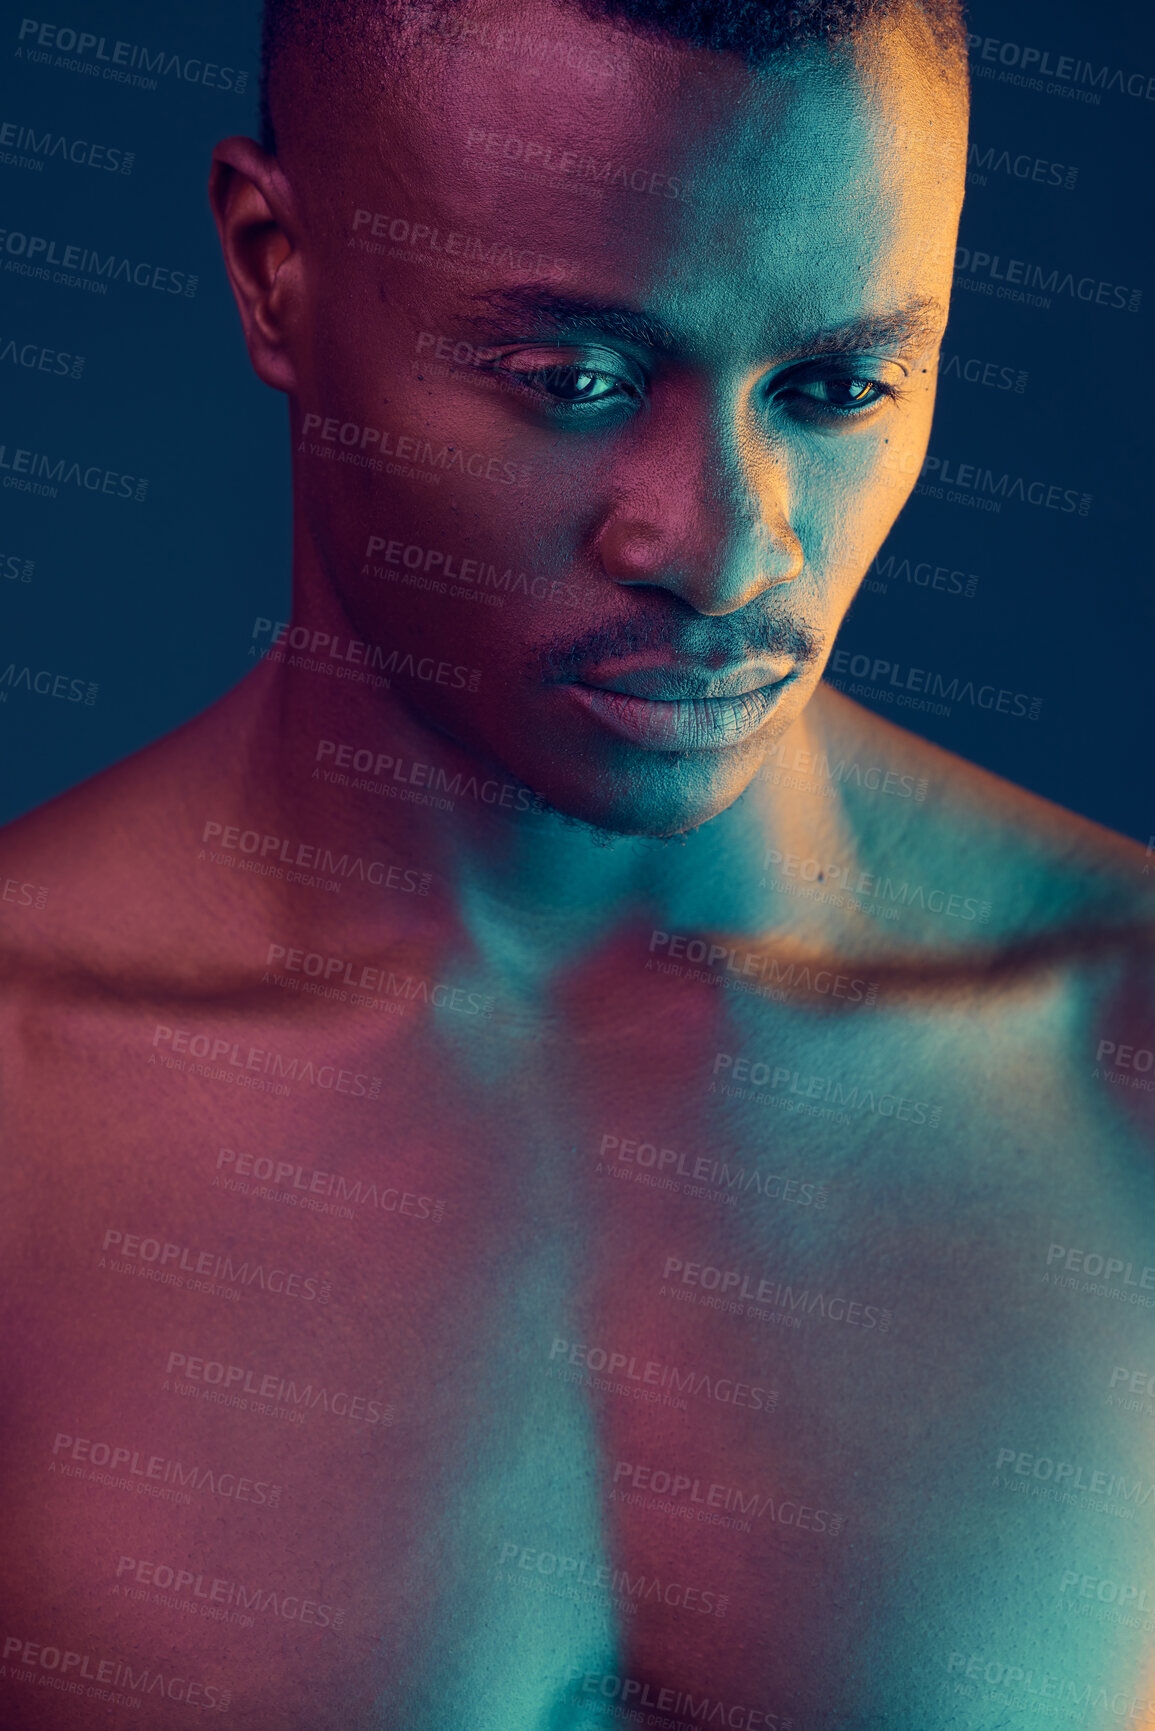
pixel 666 334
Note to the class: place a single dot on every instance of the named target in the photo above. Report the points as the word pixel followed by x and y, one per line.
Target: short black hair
pixel 758 30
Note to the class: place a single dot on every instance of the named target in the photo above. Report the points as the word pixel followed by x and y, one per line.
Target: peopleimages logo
pixel 971 483
pixel 336 969
pixel 754 964
pixel 1083 1698
pixel 1028 66
pixel 329 652
pixel 656 1373
pixel 414 558
pixel 702 1169
pixel 349 440
pixel 314 857
pixel 1094 1263
pixel 1074 1476
pixel 455 249
pixel 181 1260
pixel 409 778
pixel 570 1573
pixel 1023 166
pixel 827 777
pixel 990 374
pixel 40 146
pixel 124 62
pixel 38 357
pixel 63 1668
pixel 45 683
pixel 631 1694
pixel 158 1470
pixel 1020 273
pixel 82 264
pixel 20 466
pixel 809 869
pixel 220 1051
pixel 739 1286
pixel 468 35
pixel 533 156
pixel 872 671
pixel 156 1579
pixel 851 1096
pixel 241 1384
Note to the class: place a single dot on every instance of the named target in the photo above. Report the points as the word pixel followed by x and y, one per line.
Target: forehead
pixel 646 169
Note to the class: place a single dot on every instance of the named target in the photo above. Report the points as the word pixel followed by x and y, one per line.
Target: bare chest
pixel 350 1364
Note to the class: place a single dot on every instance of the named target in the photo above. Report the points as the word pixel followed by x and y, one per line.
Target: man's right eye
pixel 573 381
pixel 572 384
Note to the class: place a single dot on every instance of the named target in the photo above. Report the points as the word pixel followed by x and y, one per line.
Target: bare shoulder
pixel 1037 873
pixel 1021 933
pixel 100 886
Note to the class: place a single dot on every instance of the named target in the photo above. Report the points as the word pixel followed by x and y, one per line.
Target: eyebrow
pixel 548 314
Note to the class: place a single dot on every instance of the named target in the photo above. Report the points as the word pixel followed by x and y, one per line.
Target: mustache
pixel 704 641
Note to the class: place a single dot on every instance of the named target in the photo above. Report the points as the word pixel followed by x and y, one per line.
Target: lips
pixel 680 724
pixel 682 682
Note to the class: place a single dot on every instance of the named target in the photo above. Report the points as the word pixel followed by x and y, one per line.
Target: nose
pixel 700 508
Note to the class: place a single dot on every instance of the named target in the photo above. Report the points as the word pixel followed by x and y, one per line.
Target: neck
pixel 341 760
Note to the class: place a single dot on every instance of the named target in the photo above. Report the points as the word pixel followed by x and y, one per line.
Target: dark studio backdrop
pixel 1021 567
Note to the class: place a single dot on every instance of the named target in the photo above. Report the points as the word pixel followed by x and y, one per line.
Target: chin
pixel 658 803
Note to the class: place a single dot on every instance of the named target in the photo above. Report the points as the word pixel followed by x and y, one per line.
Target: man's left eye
pixel 844 393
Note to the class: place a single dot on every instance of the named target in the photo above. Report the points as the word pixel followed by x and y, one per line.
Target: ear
pixel 260 229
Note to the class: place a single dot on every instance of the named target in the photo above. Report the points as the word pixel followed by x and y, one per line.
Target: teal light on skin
pixel 717 482
pixel 684 434
pixel 707 423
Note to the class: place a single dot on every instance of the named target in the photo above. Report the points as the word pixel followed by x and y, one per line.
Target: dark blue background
pixel 155 602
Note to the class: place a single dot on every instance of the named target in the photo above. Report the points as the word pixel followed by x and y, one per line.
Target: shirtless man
pixel 505 1229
